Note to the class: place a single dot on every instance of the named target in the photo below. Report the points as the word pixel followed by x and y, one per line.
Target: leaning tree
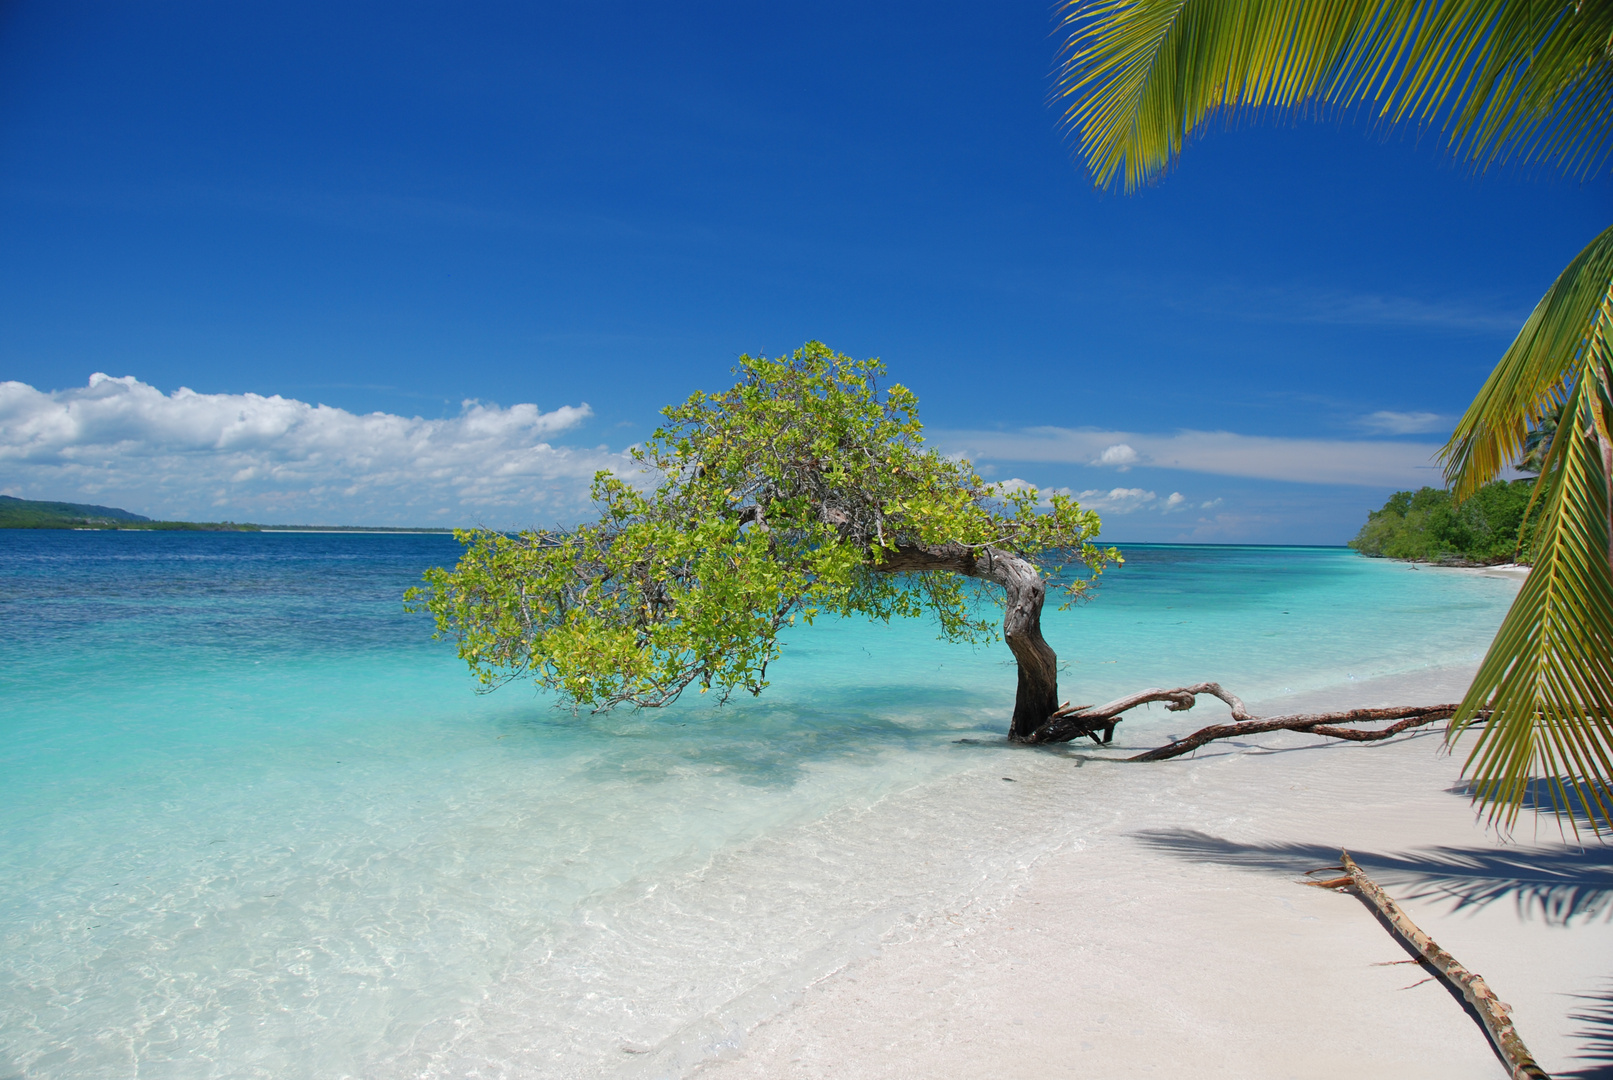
pixel 804 489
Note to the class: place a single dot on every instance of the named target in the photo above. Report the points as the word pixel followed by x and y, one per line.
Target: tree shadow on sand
pixel 768 742
pixel 1556 885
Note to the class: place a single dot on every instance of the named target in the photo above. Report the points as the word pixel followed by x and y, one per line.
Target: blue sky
pixel 402 208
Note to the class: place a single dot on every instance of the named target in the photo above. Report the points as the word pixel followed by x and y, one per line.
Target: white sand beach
pixel 1177 939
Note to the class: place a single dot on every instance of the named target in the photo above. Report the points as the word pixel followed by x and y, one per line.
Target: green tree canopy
pixel 1429 525
pixel 804 489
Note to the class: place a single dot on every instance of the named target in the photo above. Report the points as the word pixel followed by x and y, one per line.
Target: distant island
pixel 31 514
pixel 1428 526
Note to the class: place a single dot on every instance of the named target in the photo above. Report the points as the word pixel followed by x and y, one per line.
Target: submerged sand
pixel 1176 939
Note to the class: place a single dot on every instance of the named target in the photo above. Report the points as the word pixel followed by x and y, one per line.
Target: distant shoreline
pixel 226 526
pixel 1501 570
pixel 373 530
pixel 1505 568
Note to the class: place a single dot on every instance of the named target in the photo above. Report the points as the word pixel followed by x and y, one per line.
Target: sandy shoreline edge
pixel 1175 938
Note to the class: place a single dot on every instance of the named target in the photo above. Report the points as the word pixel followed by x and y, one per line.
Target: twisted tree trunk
pixel 1037 697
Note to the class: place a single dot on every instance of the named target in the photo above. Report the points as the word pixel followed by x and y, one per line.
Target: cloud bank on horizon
pixel 277 460
pixel 1362 462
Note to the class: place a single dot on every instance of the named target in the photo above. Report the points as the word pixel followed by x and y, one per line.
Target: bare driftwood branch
pixel 1312 723
pixel 1097 722
pixel 1495 1015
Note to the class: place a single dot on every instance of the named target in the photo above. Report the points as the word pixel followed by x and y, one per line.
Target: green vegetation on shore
pixel 31 514
pixel 1429 526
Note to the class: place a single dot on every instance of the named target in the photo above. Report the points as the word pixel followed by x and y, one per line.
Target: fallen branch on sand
pixel 1097 722
pixel 1495 1015
pixel 1313 724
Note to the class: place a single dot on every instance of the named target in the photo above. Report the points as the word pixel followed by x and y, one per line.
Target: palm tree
pixel 1526 79
pixel 1537 444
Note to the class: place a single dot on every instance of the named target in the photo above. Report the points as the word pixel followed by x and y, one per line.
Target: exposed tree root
pixel 1091 720
pixel 1495 1015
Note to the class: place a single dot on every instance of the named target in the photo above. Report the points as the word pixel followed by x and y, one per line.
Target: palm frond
pixel 1548 676
pixel 1525 76
pixel 1545 88
pixel 1533 375
pixel 1141 74
pixel 1537 443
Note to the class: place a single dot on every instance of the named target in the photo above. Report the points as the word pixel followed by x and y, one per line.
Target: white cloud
pixel 1401 423
pixel 1117 500
pixel 1113 501
pixel 277 459
pixel 1377 463
pixel 1119 454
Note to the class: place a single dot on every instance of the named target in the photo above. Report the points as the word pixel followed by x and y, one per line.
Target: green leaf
pixel 1532 377
pixel 1548 676
pixel 1502 76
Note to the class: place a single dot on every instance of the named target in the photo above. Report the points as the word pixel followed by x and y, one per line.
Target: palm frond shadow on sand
pixel 1557 885
pixel 1541 796
pixel 1594 1018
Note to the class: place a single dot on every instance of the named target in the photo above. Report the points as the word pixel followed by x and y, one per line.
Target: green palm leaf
pixel 1548 676
pixel 1140 76
pixel 1534 373
pixel 1523 76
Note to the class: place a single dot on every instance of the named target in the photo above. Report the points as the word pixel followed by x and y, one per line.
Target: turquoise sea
pixel 256 823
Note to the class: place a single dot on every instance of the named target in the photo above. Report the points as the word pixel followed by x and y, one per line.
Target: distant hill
pixel 31 514
pixel 78 513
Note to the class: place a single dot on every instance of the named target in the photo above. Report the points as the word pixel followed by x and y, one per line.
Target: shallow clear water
pixel 256 823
